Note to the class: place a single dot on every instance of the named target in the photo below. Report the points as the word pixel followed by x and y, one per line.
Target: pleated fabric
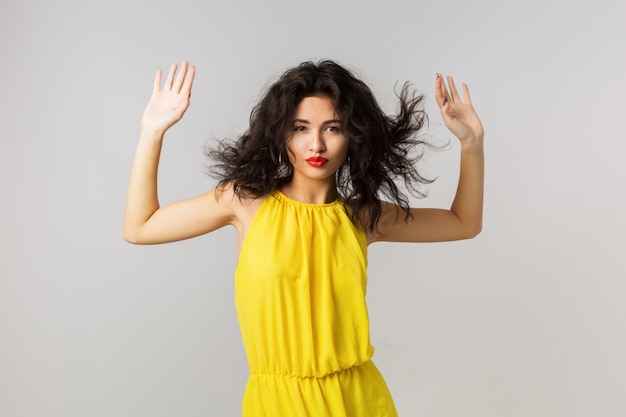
pixel 300 289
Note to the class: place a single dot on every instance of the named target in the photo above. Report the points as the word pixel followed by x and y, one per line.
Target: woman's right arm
pixel 145 222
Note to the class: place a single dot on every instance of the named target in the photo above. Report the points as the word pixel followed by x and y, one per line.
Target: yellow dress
pixel 300 295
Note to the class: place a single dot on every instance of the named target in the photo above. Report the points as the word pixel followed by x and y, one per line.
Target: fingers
pixel 170 77
pixel 180 78
pixel 186 87
pixel 177 83
pixel 442 95
pixel 466 94
pixel 453 90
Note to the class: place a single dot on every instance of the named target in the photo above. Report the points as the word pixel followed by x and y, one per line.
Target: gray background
pixel 528 319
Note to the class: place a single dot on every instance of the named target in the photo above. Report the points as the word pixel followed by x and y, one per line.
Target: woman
pixel 302 188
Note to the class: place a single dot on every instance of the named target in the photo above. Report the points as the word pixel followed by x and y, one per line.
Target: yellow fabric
pixel 300 295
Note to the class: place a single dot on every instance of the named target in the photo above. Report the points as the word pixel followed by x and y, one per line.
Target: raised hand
pixel 458 114
pixel 168 104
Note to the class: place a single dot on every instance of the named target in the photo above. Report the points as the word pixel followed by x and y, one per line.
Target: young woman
pixel 303 189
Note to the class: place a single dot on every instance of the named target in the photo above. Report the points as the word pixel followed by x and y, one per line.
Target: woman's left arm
pixel 464 218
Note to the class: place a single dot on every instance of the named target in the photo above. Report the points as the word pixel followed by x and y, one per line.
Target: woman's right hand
pixel 167 105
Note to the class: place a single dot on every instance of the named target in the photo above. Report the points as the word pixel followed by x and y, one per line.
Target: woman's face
pixel 317 143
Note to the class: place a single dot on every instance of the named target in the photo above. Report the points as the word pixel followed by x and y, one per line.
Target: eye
pixel 299 128
pixel 334 129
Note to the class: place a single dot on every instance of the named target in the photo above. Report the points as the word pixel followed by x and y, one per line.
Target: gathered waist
pixel 288 375
pixel 357 390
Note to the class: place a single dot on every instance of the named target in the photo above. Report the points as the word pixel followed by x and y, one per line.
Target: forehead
pixel 321 106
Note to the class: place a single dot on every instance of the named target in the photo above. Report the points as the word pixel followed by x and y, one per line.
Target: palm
pixel 458 114
pixel 168 104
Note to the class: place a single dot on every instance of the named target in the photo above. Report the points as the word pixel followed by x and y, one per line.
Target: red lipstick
pixel 317 161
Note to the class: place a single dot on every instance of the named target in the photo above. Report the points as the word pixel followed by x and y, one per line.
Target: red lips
pixel 317 161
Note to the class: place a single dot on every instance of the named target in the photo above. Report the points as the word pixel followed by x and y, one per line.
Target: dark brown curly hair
pixel 382 148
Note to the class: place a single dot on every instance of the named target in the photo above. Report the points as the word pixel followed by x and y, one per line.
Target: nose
pixel 317 144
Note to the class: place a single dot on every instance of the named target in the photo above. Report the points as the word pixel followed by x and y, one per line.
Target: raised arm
pixel 464 218
pixel 145 222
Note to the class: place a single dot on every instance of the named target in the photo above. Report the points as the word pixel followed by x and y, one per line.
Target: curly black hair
pixel 382 148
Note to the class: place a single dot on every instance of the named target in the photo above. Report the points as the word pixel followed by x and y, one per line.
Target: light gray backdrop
pixel 528 319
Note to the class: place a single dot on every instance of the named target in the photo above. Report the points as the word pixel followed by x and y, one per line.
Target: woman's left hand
pixel 458 114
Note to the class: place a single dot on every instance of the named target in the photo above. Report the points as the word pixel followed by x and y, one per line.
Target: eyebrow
pixel 326 122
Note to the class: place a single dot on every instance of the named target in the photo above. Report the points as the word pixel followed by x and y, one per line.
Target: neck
pixel 311 191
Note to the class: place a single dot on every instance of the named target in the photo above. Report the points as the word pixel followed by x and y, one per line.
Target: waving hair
pixel 381 147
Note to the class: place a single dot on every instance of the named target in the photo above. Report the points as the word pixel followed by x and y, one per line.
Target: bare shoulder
pixel 389 214
pixel 243 208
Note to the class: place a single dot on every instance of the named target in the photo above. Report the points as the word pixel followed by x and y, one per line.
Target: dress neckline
pixel 278 194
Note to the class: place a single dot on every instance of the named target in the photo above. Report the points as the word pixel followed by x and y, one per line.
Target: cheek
pixel 291 152
pixel 296 148
pixel 345 147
